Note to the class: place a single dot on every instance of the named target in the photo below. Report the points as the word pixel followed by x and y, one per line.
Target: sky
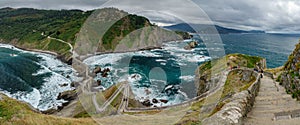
pixel 282 16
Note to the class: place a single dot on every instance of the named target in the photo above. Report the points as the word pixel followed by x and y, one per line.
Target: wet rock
pixel 191 45
pixel 164 100
pixel 154 100
pixel 147 91
pixel 105 70
pixel 99 82
pixel 67 95
pixel 64 85
pixel 147 103
pixel 104 75
pixel 97 70
pixel 74 84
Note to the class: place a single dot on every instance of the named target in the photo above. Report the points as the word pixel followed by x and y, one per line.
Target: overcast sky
pixel 269 15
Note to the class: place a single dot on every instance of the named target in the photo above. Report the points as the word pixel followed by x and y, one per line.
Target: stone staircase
pixel 273 106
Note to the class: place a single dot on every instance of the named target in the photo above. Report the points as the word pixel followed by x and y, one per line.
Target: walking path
pixel 273 106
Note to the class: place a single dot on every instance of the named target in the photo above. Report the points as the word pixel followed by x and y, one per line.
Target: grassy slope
pixel 15 112
pixel 24 26
pixel 122 28
pixel 233 83
pixel 291 73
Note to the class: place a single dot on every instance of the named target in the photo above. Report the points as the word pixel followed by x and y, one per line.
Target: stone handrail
pixel 239 106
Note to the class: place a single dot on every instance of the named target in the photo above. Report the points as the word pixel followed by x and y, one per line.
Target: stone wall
pixel 238 106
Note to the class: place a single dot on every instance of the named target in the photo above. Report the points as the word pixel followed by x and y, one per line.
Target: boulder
pixel 97 70
pixel 164 101
pixel 99 82
pixel 64 85
pixel 67 95
pixel 147 103
pixel 191 45
pixel 154 100
pixel 104 75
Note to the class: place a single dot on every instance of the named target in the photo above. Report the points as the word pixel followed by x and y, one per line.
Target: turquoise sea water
pixel 35 78
pixel 166 74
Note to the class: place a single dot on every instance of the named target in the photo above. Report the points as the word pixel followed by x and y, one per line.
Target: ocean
pixel 166 73
pixel 35 78
pixel 274 47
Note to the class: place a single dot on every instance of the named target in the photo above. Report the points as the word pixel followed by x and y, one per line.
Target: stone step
pixel 271 93
pixel 278 102
pixel 260 115
pixel 271 98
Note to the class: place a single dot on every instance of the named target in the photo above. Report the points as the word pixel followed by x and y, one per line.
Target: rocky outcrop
pixel 67 95
pixel 147 103
pixel 191 45
pixel 290 77
pixel 237 107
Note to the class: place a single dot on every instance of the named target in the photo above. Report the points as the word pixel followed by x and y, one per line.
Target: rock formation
pixel 290 77
pixel 191 45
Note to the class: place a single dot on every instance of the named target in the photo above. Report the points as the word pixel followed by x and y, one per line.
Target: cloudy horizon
pixel 277 16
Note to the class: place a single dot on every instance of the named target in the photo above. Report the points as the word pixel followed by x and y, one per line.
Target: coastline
pixel 48 53
pixel 32 50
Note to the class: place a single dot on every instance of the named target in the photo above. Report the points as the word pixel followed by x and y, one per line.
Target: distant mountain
pixel 207 29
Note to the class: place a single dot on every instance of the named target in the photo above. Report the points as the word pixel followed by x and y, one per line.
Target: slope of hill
pixel 290 77
pixel 15 112
pixel 207 28
pixel 33 29
pixel 57 30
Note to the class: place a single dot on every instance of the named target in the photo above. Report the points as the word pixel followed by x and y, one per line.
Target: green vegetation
pixel 16 113
pixel 289 75
pixel 184 35
pixel 243 60
pixel 235 83
pixel 122 28
pixel 29 28
pixel 192 118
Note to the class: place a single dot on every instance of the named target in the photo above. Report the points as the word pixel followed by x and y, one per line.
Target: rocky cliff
pixel 290 77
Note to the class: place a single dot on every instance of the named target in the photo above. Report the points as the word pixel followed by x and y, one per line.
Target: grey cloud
pixel 269 15
pixel 53 4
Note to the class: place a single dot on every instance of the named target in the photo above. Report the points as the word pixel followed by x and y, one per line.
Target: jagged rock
pixel 97 70
pixel 154 100
pixel 99 82
pixel 67 95
pixel 64 85
pixel 191 45
pixel 147 91
pixel 106 70
pixel 290 77
pixel 74 84
pixel 164 100
pixel 147 103
pixel 104 75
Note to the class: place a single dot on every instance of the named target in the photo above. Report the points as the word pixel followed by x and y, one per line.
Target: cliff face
pixel 101 30
pixel 113 30
pixel 290 77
